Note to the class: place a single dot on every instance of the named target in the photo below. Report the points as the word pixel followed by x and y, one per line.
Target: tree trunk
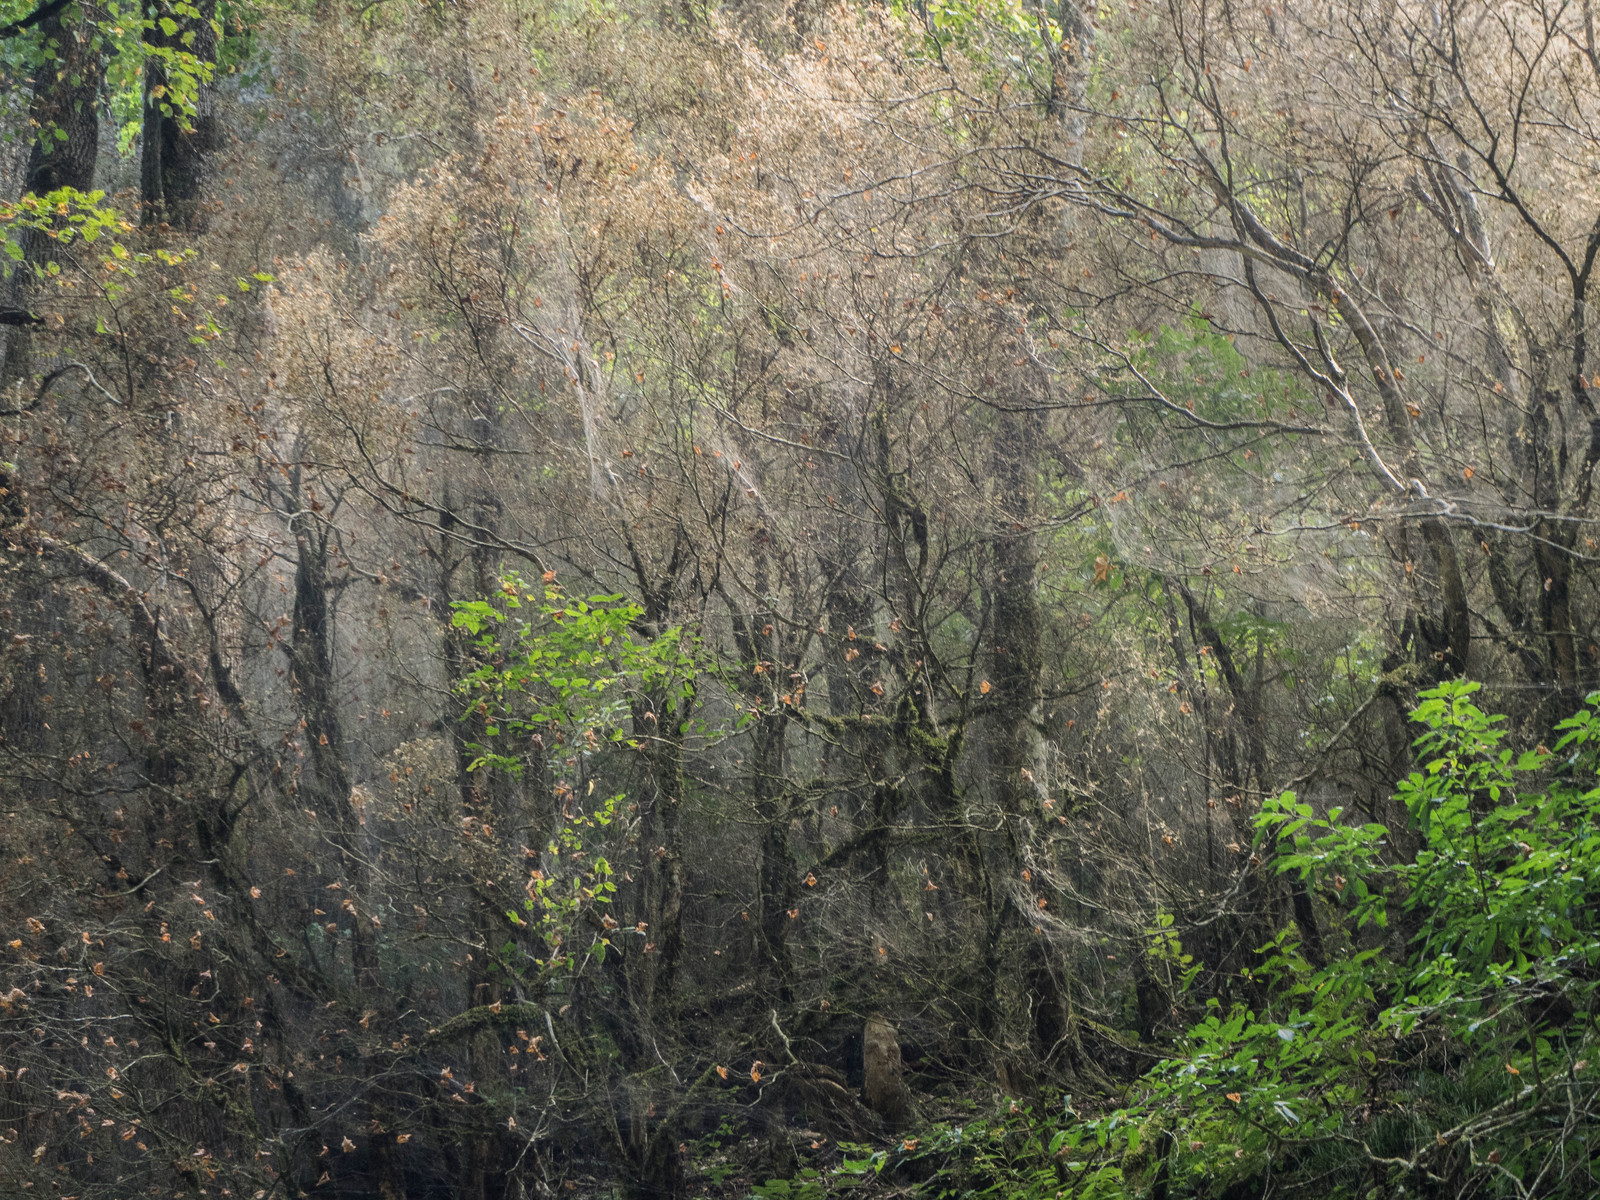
pixel 174 157
pixel 66 101
pixel 65 116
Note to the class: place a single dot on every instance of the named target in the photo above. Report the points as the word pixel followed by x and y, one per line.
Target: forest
pixel 785 599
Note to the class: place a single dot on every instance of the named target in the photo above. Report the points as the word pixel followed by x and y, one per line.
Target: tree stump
pixel 882 1087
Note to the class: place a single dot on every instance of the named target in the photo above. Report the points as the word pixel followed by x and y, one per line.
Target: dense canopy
pixel 956 598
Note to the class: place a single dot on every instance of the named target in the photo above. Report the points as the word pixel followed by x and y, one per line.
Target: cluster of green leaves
pixel 182 70
pixel 1462 1048
pixel 1452 1033
pixel 1008 38
pixel 555 904
pixel 569 672
pixel 807 1185
pixel 1193 366
pixel 564 666
pixel 1500 970
pixel 69 220
pixel 968 23
pixel 65 216
pixel 126 36
pixel 1504 889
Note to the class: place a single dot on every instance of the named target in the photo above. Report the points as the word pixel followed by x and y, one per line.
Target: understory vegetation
pixel 964 598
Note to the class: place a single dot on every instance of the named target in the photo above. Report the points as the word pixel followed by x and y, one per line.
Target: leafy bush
pixel 1447 1048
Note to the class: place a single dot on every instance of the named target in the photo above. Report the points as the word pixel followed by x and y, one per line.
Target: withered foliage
pixel 1051 432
